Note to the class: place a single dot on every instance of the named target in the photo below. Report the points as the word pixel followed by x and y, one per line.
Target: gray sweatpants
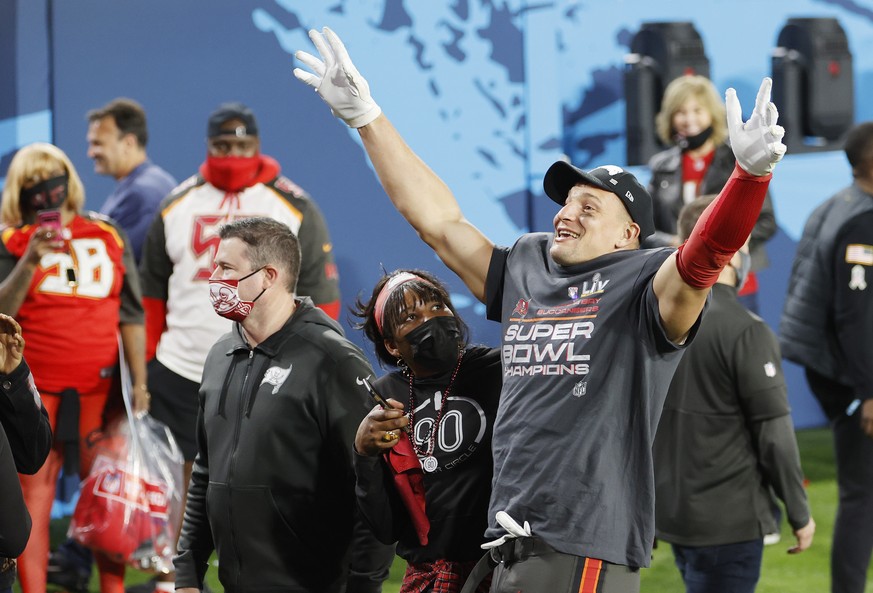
pixel 532 566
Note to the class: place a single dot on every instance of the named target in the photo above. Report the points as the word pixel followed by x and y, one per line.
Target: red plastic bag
pixel 130 503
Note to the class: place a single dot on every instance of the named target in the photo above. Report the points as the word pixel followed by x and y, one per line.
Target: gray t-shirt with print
pixel 586 368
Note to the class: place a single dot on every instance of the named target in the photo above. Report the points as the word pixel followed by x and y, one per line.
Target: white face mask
pixel 224 295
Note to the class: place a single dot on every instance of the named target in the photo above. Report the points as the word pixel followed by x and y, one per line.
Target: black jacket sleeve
pixel 377 498
pixel 25 420
pixel 779 460
pixel 370 557
pixel 763 397
pixel 371 561
pixel 131 294
pixel 195 540
pixel 318 274
pixel 14 518
pixel 25 442
pixel 155 266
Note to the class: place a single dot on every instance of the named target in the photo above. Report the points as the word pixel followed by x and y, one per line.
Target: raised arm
pixel 683 281
pixel 420 196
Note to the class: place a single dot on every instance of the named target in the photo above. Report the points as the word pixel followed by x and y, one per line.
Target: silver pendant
pixel 429 463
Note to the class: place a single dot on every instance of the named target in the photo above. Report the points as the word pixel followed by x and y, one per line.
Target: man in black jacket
pixel 25 442
pixel 827 327
pixel 280 401
pixel 725 438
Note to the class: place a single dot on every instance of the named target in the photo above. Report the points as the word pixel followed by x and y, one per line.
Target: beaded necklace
pixel 425 456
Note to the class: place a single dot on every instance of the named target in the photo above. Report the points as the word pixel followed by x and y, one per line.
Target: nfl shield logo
pixel 580 388
pixel 573 292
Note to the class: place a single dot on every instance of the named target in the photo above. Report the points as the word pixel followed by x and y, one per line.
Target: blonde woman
pixel 698 162
pixel 68 277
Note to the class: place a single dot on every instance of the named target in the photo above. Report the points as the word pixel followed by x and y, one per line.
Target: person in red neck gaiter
pixel 235 181
pixel 234 161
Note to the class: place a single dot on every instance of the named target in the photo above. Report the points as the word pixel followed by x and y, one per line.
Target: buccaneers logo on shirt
pixel 521 307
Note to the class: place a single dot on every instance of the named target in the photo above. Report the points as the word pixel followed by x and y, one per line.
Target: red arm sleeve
pixel 722 229
pixel 332 309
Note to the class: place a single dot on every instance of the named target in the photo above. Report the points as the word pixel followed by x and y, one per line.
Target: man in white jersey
pixel 593 328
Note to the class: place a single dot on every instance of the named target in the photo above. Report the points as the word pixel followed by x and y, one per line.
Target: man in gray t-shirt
pixel 592 331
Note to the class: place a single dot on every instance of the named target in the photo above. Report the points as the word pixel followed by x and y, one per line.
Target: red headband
pixel 394 282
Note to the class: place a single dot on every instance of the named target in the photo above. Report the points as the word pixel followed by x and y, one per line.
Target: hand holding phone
pixel 379 399
pixel 51 221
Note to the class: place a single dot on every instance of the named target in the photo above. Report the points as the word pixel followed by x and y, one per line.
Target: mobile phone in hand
pixel 51 219
pixel 379 399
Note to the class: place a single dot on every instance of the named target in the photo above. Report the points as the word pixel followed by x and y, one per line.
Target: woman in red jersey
pixel 69 278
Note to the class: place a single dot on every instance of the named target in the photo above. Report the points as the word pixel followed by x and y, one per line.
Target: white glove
pixel 513 530
pixel 757 144
pixel 337 81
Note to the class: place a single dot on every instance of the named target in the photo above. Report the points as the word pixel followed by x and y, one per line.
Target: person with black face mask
pixel 72 285
pixel 698 162
pixel 424 466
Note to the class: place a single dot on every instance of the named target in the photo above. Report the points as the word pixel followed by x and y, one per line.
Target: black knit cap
pixel 227 112
pixel 561 177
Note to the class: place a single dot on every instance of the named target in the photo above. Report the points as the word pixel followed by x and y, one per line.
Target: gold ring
pixel 389 436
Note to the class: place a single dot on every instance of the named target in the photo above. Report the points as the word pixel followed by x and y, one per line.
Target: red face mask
pixel 232 173
pixel 224 295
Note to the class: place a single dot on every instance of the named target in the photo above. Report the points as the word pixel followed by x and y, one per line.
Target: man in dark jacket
pixel 827 327
pixel 725 438
pixel 272 488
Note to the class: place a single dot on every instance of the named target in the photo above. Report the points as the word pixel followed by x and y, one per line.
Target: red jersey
pixel 70 327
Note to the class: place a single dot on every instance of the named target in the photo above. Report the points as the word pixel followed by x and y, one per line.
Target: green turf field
pixel 781 573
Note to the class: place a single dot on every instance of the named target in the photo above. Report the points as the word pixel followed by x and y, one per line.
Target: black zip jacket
pixel 828 313
pixel 272 489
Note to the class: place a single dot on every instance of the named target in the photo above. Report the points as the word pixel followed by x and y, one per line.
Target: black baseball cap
pixel 227 112
pixel 561 177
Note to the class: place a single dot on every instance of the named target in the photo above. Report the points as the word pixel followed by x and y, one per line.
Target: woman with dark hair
pixel 424 476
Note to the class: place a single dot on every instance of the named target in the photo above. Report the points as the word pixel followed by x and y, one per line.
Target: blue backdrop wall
pixel 488 92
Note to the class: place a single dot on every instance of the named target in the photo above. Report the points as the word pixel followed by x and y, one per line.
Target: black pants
pixel 175 403
pixel 853 528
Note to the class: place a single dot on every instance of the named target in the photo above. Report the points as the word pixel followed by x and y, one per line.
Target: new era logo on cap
pixel 561 177
pixel 232 111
